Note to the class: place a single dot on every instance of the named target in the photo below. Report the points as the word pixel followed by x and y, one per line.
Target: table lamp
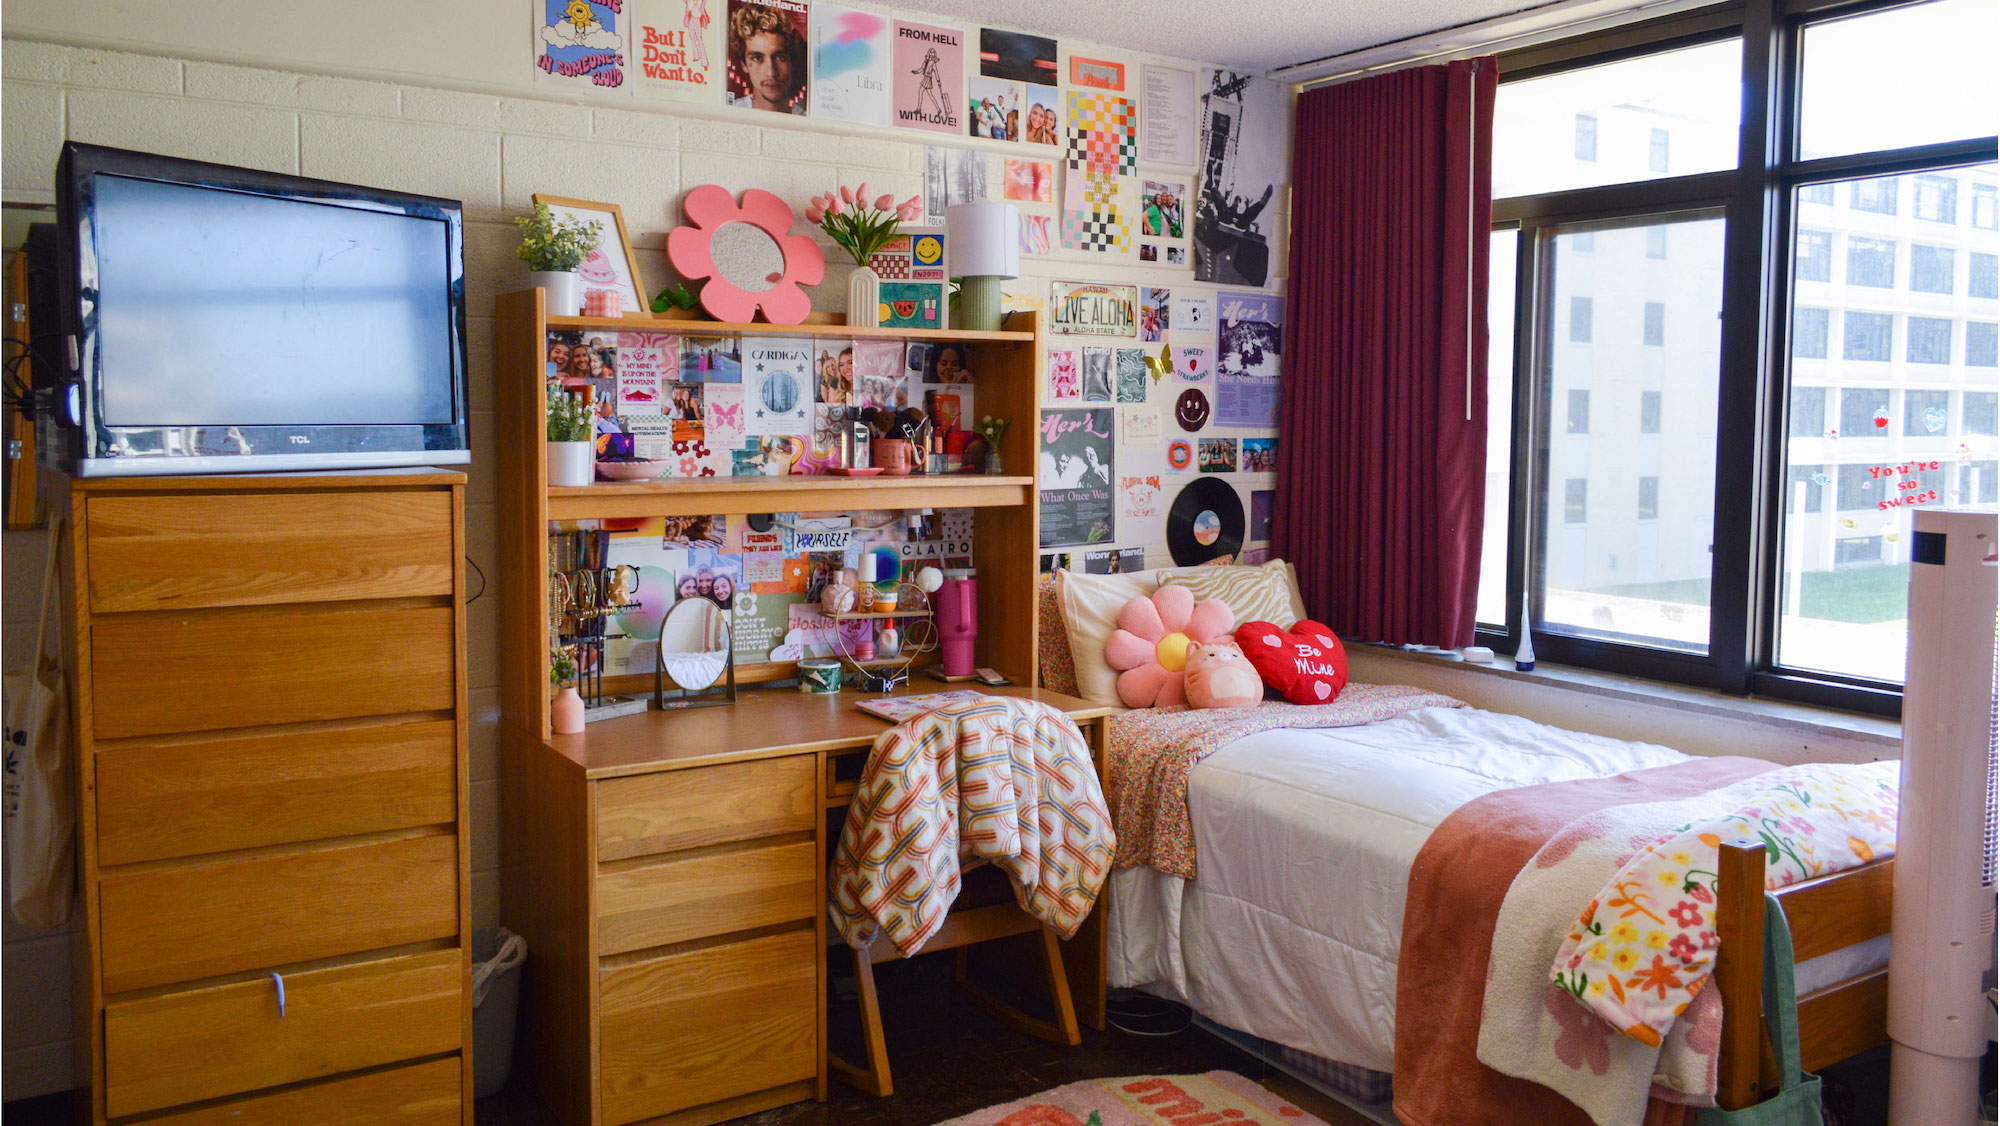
pixel 984 242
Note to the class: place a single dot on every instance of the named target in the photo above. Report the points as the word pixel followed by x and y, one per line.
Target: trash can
pixel 497 955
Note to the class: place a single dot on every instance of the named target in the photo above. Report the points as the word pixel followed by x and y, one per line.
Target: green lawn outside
pixel 1863 595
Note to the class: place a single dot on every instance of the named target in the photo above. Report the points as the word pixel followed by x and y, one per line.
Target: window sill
pixel 1810 723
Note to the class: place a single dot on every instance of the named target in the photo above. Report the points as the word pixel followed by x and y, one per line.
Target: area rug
pixel 1147 1100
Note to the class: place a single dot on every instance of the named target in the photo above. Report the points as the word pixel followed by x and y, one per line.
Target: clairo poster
pixel 850 72
pixel 928 68
pixel 580 43
pixel 1078 476
pixel 1094 309
pixel 1242 159
pixel 677 48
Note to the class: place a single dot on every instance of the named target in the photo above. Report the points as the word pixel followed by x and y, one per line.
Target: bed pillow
pixel 1220 676
pixel 1269 593
pixel 1052 653
pixel 1306 663
pixel 1155 635
pixel 1089 606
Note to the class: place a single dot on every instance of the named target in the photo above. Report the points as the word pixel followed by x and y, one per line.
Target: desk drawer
pixel 158 673
pixel 201 919
pixel 675 809
pixel 675 899
pixel 427 1094
pixel 160 801
pixel 242 549
pixel 207 1043
pixel 706 1025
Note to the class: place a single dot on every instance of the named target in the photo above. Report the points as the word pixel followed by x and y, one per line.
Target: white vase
pixel 864 298
pixel 571 464
pixel 565 290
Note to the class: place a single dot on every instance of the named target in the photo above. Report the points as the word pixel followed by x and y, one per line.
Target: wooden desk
pixel 668 870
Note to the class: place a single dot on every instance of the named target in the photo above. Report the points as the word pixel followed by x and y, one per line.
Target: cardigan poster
pixel 1077 476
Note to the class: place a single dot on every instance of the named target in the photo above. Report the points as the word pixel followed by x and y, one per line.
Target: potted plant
pixel 566 710
pixel 552 248
pixel 570 461
pixel 861 230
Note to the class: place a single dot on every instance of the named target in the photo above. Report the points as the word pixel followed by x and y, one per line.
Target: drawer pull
pixel 279 979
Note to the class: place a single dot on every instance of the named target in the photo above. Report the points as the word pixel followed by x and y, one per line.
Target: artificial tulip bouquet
pixel 855 225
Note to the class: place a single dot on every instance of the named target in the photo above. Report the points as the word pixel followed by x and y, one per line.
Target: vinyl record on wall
pixel 1204 523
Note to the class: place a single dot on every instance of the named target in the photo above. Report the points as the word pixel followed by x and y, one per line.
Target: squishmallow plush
pixel 1220 676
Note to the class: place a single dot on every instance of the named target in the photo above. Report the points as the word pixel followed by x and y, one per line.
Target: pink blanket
pixel 1153 750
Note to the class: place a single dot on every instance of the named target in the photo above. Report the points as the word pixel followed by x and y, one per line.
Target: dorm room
pixel 1349 563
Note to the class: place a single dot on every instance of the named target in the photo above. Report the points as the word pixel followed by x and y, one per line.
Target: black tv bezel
pixel 92 448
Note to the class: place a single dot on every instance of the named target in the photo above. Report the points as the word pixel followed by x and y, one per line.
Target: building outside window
pixel 1576 490
pixel 1656 324
pixel 1586 137
pixel 1937 199
pixel 1808 413
pixel 1814 260
pixel 1656 151
pixel 1982 344
pixel 1809 331
pixel 1982 275
pixel 1932 269
pixel 1864 413
pixel 1649 498
pixel 1926 413
pixel 1878 195
pixel 1656 242
pixel 1871 261
pixel 1986 206
pixel 1817 193
pixel 1927 340
pixel 1579 320
pixel 1649 412
pixel 1866 336
pixel 1579 412
pixel 1981 414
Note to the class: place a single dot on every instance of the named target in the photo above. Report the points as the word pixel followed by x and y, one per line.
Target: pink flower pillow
pixel 1151 644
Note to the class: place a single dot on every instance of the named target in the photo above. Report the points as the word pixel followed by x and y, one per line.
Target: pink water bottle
pixel 957 616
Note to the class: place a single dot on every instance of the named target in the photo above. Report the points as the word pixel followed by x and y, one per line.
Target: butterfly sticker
pixel 1162 364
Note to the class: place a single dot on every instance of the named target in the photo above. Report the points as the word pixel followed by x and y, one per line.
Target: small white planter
pixel 565 290
pixel 571 464
pixel 864 298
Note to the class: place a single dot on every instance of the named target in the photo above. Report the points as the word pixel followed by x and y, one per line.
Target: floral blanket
pixel 1640 935
pixel 1153 750
pixel 1000 780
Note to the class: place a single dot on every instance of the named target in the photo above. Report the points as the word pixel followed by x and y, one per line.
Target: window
pixel 1579 412
pixel 1809 333
pixel 1584 243
pixel 1871 262
pixel 1656 324
pixel 1925 413
pixel 1866 336
pixel 1656 151
pixel 1808 415
pixel 1982 275
pixel 1813 261
pixel 1878 196
pixel 1649 498
pixel 1897 78
pixel 1579 320
pixel 1932 269
pixel 1864 412
pixel 1586 137
pixel 1857 550
pixel 1978 482
pixel 1979 414
pixel 1575 491
pixel 1986 206
pixel 1656 242
pixel 1856 491
pixel 1649 412
pixel 1928 340
pixel 1982 344
pixel 1496 599
pixel 1805 489
pixel 1821 194
pixel 1937 199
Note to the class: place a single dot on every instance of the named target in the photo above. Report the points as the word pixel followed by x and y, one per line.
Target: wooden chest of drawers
pixel 269 683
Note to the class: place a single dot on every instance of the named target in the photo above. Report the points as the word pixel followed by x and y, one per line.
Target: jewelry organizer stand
pixel 919 637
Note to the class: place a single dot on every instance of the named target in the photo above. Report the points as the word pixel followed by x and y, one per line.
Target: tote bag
pixel 40 801
pixel 1797 1102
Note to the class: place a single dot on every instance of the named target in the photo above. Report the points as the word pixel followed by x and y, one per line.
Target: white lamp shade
pixel 983 239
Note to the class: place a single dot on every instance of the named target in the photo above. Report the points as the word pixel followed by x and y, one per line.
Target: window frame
pixel 1759 201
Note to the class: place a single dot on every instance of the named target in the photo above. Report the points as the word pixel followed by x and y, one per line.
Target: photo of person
pixel 561 343
pixel 712 359
pixel 1097 375
pixel 836 375
pixel 1218 455
pixel 995 110
pixel 1164 214
pixel 1043 124
pixel 1260 455
pixel 948 363
pixel 1155 315
pixel 1148 252
pixel 768 55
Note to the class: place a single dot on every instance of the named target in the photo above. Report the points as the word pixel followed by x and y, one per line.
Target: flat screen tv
pixel 226 320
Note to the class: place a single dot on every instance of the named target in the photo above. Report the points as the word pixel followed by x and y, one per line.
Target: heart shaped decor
pixel 1306 663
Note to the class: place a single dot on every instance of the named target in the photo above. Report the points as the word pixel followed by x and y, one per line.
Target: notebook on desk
pixel 896 709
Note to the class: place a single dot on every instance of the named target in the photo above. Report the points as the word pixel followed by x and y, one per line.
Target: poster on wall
pixel 677 46
pixel 951 176
pixel 1114 561
pixel 1043 125
pixel 1077 476
pixel 929 78
pixel 777 386
pixel 1166 111
pixel 1242 155
pixel 850 64
pixel 1103 134
pixel 580 43
pixel 1096 74
pixel 1093 308
pixel 1192 312
pixel 1163 221
pixel 1155 314
pixel 769 64
pixel 1018 57
pixel 1249 353
pixel 993 110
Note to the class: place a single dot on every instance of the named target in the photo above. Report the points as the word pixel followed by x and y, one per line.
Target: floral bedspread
pixel 1643 946
pixel 1153 750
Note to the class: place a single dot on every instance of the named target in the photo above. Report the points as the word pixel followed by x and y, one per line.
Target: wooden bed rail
pixel 1827 914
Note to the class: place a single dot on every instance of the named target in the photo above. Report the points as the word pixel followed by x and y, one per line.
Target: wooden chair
pixel 1827 914
pixel 961 930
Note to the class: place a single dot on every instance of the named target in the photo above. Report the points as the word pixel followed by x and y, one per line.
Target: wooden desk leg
pixel 875 1078
pixel 1062 1030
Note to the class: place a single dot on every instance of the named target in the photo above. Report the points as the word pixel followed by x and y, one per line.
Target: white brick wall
pixel 490 151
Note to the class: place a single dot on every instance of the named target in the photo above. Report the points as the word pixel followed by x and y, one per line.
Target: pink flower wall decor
pixel 1155 634
pixel 691 250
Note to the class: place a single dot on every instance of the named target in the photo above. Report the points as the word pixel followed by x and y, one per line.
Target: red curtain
pixel 1381 486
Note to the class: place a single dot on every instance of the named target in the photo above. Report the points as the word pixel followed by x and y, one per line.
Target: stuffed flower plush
pixel 1151 644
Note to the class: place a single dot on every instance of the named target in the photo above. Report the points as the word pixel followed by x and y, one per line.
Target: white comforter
pixel 1305 840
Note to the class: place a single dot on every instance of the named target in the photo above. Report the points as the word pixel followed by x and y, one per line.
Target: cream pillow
pixel 1269 593
pixel 1090 605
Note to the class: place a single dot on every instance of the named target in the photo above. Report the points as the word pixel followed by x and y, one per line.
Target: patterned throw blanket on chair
pixel 1000 780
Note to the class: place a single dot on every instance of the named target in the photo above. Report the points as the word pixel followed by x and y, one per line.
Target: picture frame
pixel 606 269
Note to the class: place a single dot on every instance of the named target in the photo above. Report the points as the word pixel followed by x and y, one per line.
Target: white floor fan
pixel 1942 962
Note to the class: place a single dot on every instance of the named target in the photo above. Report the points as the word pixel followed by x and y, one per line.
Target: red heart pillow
pixel 1306 665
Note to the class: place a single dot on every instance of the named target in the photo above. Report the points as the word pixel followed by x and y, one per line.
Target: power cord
pixel 1142 1014
pixel 482 581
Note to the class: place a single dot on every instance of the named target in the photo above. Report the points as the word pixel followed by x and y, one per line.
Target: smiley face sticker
pixel 1191 410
